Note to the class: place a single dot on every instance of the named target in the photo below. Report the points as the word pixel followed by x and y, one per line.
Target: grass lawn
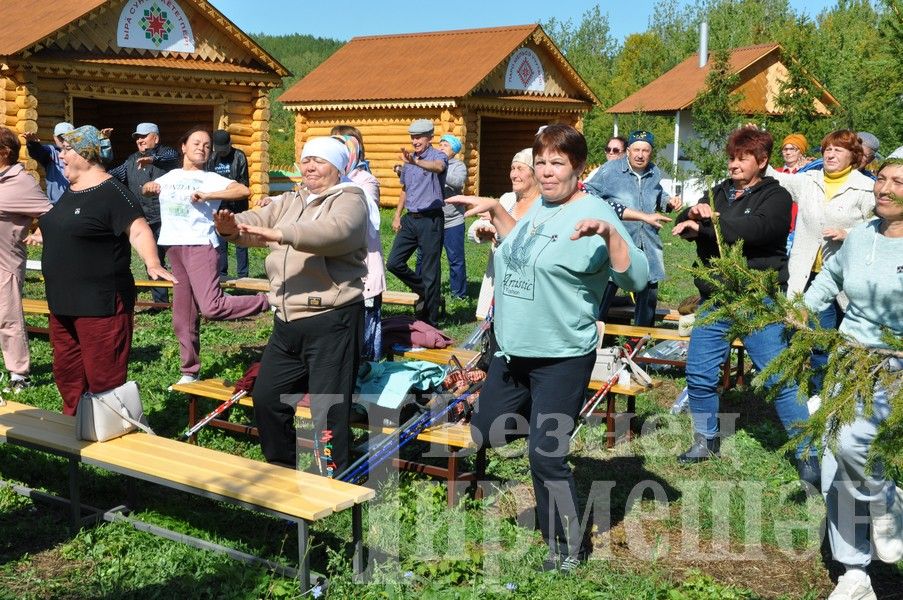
pixel 734 528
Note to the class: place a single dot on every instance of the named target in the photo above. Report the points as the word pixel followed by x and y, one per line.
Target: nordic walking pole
pixel 408 435
pixel 216 412
pixel 593 402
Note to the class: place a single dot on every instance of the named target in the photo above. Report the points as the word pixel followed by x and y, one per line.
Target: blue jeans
pixel 708 351
pixel 453 242
pixel 644 310
pixel 829 318
pixel 241 259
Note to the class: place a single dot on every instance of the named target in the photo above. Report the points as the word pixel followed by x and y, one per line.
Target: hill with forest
pixel 300 54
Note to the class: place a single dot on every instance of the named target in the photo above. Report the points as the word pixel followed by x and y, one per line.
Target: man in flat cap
pixel 152 160
pixel 635 182
pixel 422 226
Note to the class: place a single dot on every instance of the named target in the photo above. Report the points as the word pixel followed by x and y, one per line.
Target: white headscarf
pixel 329 149
pixel 525 156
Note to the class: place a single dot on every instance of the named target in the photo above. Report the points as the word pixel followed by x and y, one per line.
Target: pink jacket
pixel 21 201
pixel 375 282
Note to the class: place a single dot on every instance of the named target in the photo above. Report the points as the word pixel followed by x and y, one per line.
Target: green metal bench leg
pixel 359 558
pixel 75 501
pixel 304 555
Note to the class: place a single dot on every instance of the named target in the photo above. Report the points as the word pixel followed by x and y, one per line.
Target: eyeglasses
pixel 613 150
pixel 790 149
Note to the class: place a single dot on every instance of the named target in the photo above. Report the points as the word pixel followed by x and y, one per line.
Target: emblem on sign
pixel 525 72
pixel 154 25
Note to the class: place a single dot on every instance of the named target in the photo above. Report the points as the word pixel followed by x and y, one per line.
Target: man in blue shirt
pixel 48 156
pixel 422 180
pixel 635 182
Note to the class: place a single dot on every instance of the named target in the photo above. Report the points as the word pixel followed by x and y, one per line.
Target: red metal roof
pixel 678 88
pixel 441 64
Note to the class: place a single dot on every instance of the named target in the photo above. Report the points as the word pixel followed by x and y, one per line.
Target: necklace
pixel 534 225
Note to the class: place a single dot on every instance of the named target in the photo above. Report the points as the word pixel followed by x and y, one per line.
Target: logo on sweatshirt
pixel 314 301
pixel 78 211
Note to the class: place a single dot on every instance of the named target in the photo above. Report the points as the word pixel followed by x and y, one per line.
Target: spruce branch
pixel 749 299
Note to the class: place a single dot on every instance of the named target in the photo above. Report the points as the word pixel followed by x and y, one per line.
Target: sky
pixel 344 20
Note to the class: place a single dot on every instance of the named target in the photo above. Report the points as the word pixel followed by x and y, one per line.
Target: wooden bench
pixel 442 356
pixel 453 438
pixel 399 298
pixel 625 313
pixel 661 333
pixel 299 497
pixel 36 306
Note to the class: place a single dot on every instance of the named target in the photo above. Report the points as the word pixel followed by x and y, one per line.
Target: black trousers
pixel 541 398
pixel 159 294
pixel 425 231
pixel 319 355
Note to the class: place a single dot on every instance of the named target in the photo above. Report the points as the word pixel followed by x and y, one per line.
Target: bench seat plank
pixel 267 486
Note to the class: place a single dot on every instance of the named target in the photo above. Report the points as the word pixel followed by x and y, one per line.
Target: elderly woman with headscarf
pixel 524 192
pixel 88 236
pixel 21 201
pixel 317 236
pixel 375 281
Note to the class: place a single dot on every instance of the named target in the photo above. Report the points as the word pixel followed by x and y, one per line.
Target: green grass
pixel 733 528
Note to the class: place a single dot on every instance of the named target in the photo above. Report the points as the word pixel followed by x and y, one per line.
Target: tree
pixel 590 48
pixel 714 117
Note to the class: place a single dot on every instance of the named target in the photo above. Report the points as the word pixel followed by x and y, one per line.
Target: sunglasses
pixel 613 150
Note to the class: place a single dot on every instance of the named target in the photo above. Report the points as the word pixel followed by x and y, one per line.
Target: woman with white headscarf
pixel 317 236
pixel 524 192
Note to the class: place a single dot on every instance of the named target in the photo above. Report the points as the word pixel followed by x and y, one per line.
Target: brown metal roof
pixel 441 64
pixel 678 88
pixel 26 22
pixel 162 62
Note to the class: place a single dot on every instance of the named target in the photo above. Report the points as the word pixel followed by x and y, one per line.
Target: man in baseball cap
pixel 48 156
pixel 145 129
pixel 231 163
pixel 422 227
pixel 151 161
pixel 635 182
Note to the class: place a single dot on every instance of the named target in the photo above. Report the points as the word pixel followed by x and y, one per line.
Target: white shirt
pixel 183 222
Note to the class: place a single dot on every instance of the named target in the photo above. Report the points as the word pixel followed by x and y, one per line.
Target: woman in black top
pixel 87 237
pixel 753 208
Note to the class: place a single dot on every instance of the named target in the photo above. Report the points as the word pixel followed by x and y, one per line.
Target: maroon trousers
pixel 90 354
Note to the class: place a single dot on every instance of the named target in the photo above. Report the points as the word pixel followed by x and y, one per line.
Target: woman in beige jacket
pixel 317 238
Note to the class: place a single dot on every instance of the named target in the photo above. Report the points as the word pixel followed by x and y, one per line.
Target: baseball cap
pixel 61 128
pixel 146 128
pixel 221 140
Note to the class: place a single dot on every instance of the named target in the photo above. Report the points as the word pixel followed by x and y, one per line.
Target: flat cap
pixel 869 140
pixel 421 127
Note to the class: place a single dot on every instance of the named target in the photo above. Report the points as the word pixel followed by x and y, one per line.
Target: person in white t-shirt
pixel 189 197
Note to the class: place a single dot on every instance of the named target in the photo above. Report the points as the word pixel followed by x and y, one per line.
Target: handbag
pixel 111 414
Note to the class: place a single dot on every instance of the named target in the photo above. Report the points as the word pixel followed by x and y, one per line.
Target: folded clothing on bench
pixel 390 383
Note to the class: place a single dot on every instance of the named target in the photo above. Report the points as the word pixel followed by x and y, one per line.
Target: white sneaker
pixel 887 532
pixel 853 585
pixel 183 379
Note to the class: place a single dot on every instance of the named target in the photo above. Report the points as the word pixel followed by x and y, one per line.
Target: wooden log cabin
pixel 493 88
pixel 116 63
